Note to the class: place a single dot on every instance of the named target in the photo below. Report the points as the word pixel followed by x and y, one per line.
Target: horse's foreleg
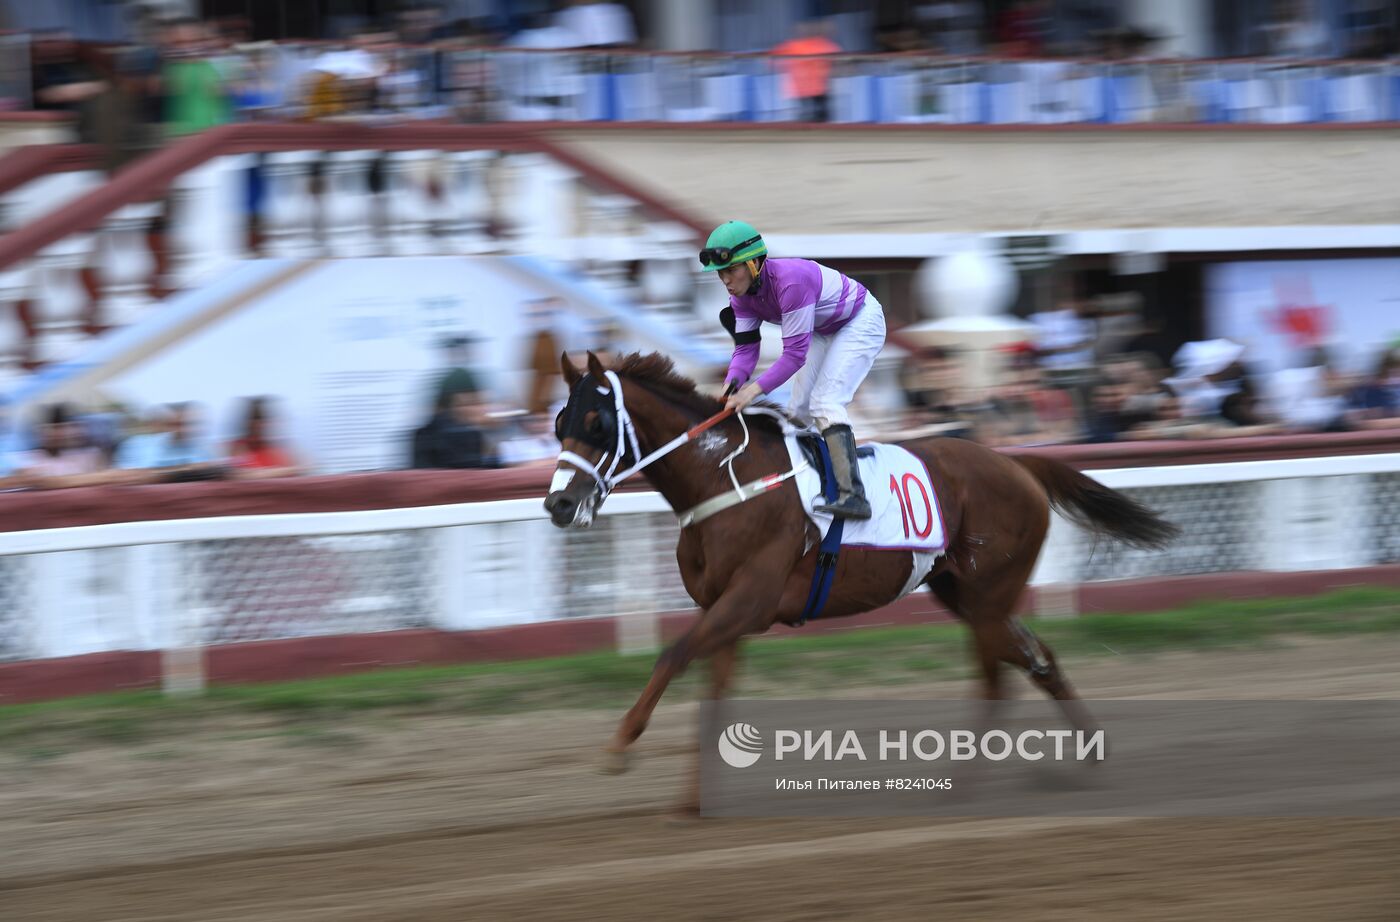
pixel 722 669
pixel 722 663
pixel 747 606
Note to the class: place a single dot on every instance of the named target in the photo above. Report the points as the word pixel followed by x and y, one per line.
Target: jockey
pixel 832 330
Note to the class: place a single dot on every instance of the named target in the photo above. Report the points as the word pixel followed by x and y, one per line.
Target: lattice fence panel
pixel 18 622
pixel 1383 518
pixel 1220 532
pixel 267 588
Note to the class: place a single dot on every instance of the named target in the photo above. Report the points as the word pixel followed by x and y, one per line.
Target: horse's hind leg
pixel 1038 660
pixel 987 603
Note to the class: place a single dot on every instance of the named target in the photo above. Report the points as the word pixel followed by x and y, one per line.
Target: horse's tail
pixel 1091 505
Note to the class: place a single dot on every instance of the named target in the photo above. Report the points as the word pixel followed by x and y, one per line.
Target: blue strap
pixel 830 549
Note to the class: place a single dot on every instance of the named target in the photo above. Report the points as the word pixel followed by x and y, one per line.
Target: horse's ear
pixel 595 368
pixel 571 374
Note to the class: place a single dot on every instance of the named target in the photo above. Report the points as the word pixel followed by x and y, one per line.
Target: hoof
pixel 613 763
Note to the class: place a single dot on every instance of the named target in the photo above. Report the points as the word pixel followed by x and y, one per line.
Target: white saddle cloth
pixel 905 513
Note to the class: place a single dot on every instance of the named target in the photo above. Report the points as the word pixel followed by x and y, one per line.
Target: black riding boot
pixel 850 499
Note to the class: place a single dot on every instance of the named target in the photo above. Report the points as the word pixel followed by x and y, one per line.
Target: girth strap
pixel 830 550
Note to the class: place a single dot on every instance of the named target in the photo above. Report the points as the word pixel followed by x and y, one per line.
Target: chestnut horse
pixel 751 565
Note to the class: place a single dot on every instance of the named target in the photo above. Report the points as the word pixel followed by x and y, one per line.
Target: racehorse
pixel 750 566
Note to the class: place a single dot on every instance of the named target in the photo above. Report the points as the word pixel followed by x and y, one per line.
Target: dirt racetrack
pixel 434 818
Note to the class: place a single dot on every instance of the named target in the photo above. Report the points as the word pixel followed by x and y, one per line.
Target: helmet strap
pixel 755 269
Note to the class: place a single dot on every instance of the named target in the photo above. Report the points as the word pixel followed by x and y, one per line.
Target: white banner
pixel 1280 309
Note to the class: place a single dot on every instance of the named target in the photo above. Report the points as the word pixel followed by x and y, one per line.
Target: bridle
pixel 605 471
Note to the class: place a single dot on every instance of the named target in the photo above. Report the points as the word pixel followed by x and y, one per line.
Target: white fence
pixel 190 583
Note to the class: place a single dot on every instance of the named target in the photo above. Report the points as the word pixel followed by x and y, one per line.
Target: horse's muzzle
pixel 567 512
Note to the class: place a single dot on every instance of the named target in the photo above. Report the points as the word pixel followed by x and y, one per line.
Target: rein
pixel 607 480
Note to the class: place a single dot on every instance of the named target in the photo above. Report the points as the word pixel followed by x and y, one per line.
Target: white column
pixel 14 288
pixel 125 263
pixel 668 274
pixel 1184 24
pixel 611 244
pixel 464 206
pixel 289 212
pixel 60 300
pixel 451 611
pixel 46 194
pixel 543 197
pixel 406 204
pixel 347 206
pixel 208 220
pixel 666 283
pixel 1311 523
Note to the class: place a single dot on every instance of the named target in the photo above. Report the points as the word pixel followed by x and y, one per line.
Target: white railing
pixel 512 84
pixel 332 203
pixel 183 584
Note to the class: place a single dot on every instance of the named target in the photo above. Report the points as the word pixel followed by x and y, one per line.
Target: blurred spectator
pixel 1293 32
pixel 65 457
pixel 1207 372
pixel 936 402
pixel 543 83
pixel 950 26
pixel 897 38
pixel 1139 377
pixel 456 435
pixel 195 96
pixel 1311 398
pixel 467 76
pixel 144 442
pixel 256 454
pixel 422 24
pixel 62 82
pixel 345 81
pixel 257 93
pixel 543 353
pixel 534 442
pixel 807 80
pixel 598 24
pixel 12 439
pixel 1023 29
pixel 1065 337
pixel 1374 44
pixel 1103 418
pixel 1024 410
pixel 403 86
pixel 1127 397
pixel 132 124
pixel 1375 402
pixel 1169 423
pixel 460 374
pixel 1241 408
pixel 167 449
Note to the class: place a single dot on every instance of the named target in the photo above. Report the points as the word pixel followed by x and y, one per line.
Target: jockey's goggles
pixel 723 256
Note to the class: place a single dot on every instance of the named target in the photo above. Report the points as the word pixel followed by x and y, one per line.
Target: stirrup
pixel 847 506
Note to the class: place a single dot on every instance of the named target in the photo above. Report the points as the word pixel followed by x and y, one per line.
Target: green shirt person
pixel 195 98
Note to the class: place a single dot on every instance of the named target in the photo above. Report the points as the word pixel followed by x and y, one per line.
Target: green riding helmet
pixel 731 243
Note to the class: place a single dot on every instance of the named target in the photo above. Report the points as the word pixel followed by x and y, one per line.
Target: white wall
pixel 351 347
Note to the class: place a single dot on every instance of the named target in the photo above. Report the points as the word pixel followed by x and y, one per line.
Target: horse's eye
pixel 595 425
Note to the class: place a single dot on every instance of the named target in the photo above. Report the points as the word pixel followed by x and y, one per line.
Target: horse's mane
pixel 659 372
